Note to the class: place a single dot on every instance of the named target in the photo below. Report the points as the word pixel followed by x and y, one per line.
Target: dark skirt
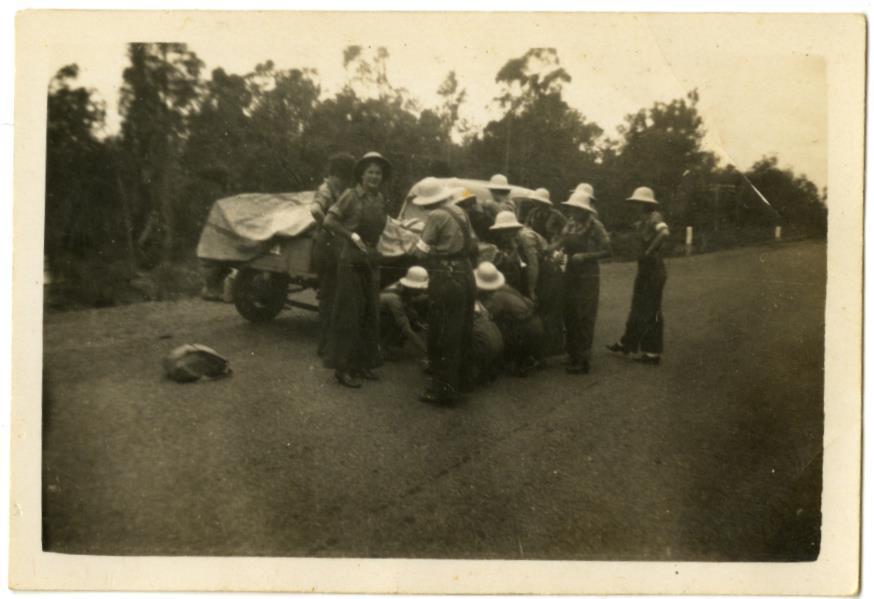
pixel 644 330
pixel 353 329
pixel 581 291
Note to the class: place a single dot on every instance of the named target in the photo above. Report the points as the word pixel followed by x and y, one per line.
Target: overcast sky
pixel 757 98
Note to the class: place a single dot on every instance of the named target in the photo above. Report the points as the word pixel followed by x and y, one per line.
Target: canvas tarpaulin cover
pixel 243 227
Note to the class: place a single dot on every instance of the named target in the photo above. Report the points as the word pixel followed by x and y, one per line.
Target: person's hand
pixel 358 242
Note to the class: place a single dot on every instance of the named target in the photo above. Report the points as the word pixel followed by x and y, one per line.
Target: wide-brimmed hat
pixel 462 195
pixel 499 182
pixel 431 191
pixel 582 200
pixel 369 158
pixel 543 194
pixel 586 187
pixel 505 220
pixel 488 277
pixel 644 195
pixel 531 195
pixel 416 278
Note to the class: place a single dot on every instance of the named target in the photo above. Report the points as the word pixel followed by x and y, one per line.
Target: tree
pixel 82 216
pixel 661 148
pixel 795 199
pixel 159 93
pixel 540 140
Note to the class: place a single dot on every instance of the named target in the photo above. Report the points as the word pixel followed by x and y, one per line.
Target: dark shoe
pixel 367 374
pixel 347 379
pixel 581 368
pixel 618 348
pixel 651 360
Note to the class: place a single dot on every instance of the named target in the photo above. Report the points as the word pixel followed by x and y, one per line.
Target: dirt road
pixel 715 455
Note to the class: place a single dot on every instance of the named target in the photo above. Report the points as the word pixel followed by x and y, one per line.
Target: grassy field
pixel 714 455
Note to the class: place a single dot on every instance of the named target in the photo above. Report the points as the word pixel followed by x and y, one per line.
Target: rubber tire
pixel 260 295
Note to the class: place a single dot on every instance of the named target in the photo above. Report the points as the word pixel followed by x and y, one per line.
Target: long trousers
pixel 644 330
pixel 450 324
pixel 581 291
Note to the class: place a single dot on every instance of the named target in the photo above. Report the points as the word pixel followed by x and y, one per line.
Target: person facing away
pixel 488 346
pixel 403 313
pixel 582 243
pixel 340 177
pixel 644 329
pixel 520 325
pixel 357 220
pixel 446 247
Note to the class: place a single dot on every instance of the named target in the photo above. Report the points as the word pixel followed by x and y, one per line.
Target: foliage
pixel 124 212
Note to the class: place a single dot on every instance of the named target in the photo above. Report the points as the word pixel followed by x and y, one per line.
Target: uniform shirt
pixel 404 313
pixel 442 236
pixel 582 238
pixel 531 246
pixel 648 227
pixel 326 196
pixel 362 213
pixel 508 305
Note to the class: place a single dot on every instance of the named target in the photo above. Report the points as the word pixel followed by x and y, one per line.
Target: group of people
pixel 473 312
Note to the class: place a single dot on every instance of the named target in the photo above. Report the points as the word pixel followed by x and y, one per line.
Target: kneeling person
pixel 515 316
pixel 403 313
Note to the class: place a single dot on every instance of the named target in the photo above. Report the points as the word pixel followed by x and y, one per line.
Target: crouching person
pixel 488 347
pixel 403 313
pixel 515 316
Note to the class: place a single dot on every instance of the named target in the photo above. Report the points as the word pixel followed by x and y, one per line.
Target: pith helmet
pixel 431 191
pixel 416 278
pixel 586 187
pixel 581 199
pixel 644 195
pixel 488 277
pixel 505 220
pixel 499 182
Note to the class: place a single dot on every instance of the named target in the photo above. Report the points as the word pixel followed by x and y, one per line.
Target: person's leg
pixel 630 341
pixel 652 339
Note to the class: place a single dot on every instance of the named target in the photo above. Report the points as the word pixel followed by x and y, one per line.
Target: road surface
pixel 714 455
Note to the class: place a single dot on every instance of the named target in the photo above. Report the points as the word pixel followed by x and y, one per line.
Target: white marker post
pixel 778 233
pixel 688 241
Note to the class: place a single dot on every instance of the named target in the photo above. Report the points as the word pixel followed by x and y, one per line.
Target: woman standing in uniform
pixel 644 330
pixel 447 246
pixel 582 242
pixel 357 220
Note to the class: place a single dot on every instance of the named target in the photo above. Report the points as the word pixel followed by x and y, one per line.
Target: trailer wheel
pixel 260 295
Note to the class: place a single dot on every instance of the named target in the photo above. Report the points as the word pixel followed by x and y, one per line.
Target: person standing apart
pixel 644 330
pixel 582 243
pixel 357 221
pixel 340 176
pixel 447 247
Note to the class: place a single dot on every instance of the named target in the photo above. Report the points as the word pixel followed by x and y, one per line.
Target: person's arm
pixel 602 241
pixel 334 223
pixel 399 314
pixel 662 234
pixel 532 259
pixel 430 234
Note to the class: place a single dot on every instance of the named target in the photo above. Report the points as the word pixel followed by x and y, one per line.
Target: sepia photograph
pixel 517 290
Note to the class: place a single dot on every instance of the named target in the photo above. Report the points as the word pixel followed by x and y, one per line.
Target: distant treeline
pixel 134 202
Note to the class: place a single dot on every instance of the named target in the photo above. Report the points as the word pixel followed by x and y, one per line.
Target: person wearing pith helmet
pixel 508 259
pixel 403 312
pixel 446 247
pixel 582 243
pixel 644 330
pixel 500 189
pixel 520 325
pixel 357 219
pixel 543 217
